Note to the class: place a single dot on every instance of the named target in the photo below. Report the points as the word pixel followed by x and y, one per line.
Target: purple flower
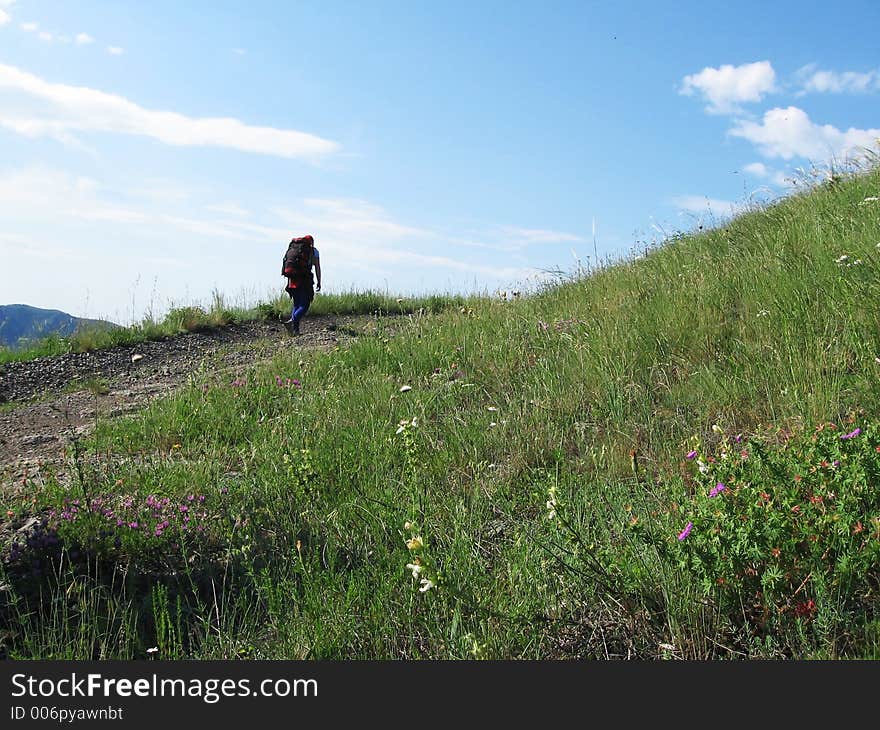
pixel 716 490
pixel 691 455
pixel 835 463
pixel 686 531
pixel 850 435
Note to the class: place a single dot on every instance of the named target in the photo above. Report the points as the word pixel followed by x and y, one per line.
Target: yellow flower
pixel 415 543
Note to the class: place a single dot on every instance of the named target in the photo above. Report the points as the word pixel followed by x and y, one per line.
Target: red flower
pixel 807 608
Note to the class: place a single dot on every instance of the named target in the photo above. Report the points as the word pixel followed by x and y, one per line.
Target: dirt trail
pixel 46 403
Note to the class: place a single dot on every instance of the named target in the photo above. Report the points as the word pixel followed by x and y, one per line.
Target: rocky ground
pixel 48 402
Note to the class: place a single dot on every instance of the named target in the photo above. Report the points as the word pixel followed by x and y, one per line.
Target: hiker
pixel 297 266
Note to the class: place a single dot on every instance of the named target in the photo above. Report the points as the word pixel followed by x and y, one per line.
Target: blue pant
pixel 302 300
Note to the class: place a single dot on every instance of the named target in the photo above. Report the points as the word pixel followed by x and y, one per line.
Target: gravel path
pixel 45 403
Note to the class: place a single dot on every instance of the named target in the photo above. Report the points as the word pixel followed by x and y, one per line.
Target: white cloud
pixel 239 51
pixel 834 82
pixel 7 3
pixel 758 169
pixel 789 133
pixel 703 205
pixel 29 27
pixel 83 39
pixel 115 50
pixel 233 209
pixel 725 88
pixel 71 109
pixel 5 18
pixel 775 177
pixel 536 235
pixel 45 36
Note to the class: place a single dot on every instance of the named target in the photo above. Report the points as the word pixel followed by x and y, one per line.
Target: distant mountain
pixel 21 324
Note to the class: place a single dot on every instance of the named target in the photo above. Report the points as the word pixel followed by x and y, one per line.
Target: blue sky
pixel 152 153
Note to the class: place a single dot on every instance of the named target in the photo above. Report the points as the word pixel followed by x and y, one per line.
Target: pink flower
pixel 691 455
pixel 686 531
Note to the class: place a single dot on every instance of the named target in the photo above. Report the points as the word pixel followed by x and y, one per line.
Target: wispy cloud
pixel 700 204
pixel 818 81
pixel 239 51
pixel 761 171
pixel 5 18
pixel 115 50
pixel 83 39
pixel 789 133
pixel 68 109
pixel 30 27
pixel 45 36
pixel 727 87
pixel 536 235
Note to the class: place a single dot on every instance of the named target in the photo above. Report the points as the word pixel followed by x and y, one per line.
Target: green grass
pixel 536 447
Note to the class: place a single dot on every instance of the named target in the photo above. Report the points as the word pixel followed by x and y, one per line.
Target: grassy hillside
pixel 675 456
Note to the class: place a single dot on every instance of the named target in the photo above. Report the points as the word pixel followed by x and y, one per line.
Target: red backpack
pixel 298 259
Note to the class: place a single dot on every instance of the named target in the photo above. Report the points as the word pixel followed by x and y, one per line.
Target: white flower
pixel 763 313
pixel 717 429
pixel 415 568
pixel 870 199
pixel 404 388
pixel 407 525
pixel 427 585
pixel 702 466
pixel 843 259
pixel 491 408
pixel 152 650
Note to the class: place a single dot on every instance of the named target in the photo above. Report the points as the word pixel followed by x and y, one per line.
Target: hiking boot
pixel 290 326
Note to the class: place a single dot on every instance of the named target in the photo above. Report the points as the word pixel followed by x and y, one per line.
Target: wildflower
pixel 427 585
pixel 716 490
pixel 415 568
pixel 716 428
pixel 493 409
pixel 152 650
pixel 691 455
pixel 763 313
pixel 842 260
pixel 415 543
pixel 870 199
pixel 807 608
pixel 686 531
pixel 543 325
pixel 850 435
pixel 407 525
pixel 405 388
pixel 702 466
